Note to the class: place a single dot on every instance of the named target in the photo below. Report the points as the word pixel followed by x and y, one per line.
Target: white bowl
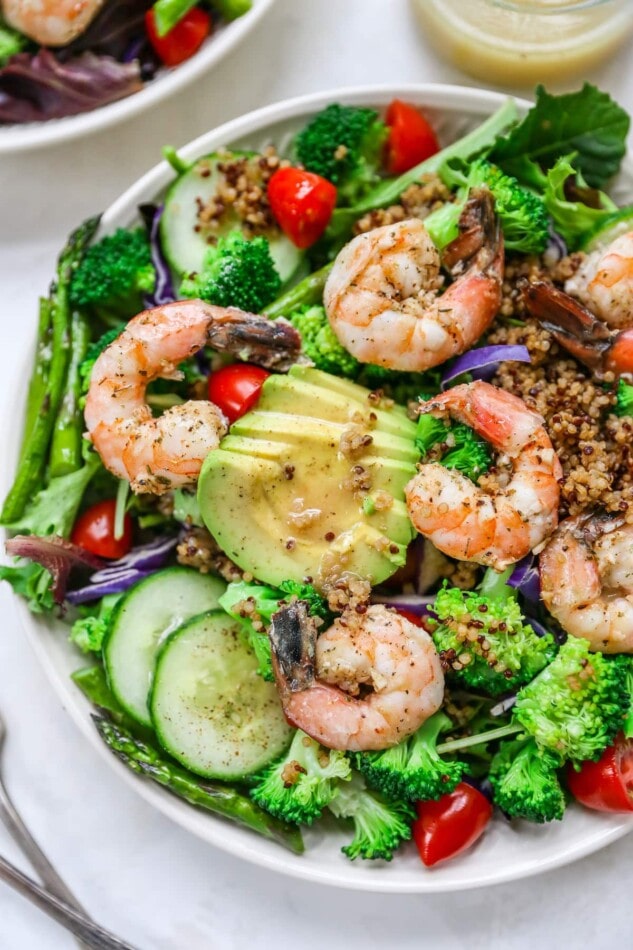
pixel 32 135
pixel 505 853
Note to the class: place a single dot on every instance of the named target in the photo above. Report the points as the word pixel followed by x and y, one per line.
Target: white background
pixel 137 873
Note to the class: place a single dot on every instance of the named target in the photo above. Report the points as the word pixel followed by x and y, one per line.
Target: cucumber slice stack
pixel 181 666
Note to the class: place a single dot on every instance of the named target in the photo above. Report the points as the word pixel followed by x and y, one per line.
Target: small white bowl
pixel 507 852
pixel 33 135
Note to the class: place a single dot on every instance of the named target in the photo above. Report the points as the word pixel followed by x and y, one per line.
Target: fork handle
pixel 73 920
pixel 38 860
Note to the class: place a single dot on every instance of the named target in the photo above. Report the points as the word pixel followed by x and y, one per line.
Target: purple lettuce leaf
pixel 56 555
pixel 38 87
pixel 118 30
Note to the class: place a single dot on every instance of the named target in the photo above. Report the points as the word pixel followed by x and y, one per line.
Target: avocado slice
pixel 287 495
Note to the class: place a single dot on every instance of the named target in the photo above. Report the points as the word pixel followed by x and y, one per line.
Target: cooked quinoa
pixel 593 445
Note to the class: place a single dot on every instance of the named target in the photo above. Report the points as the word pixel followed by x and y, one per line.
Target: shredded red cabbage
pixel 482 363
pixel 56 555
pixel 525 578
pixel 119 575
pixel 40 86
pixel 163 289
pixel 412 602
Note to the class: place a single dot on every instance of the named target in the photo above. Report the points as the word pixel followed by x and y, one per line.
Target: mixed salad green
pixel 59 60
pixel 181 673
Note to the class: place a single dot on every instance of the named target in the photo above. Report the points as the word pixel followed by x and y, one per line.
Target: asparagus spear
pixel 41 370
pixel 30 475
pixel 307 291
pixel 224 800
pixel 65 451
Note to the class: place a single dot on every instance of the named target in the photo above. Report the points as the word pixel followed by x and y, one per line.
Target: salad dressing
pixel 525 41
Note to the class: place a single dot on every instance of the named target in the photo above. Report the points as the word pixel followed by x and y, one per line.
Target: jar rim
pixel 534 6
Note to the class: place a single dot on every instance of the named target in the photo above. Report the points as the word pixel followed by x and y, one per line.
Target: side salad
pixel 56 62
pixel 326 463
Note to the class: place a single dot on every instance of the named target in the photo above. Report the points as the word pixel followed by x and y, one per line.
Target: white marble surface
pixel 137 873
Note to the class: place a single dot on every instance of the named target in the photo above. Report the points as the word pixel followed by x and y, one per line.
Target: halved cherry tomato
pixel 410 616
pixel 183 40
pixel 605 785
pixel 411 138
pixel 302 204
pixel 235 389
pixel 447 827
pixel 94 531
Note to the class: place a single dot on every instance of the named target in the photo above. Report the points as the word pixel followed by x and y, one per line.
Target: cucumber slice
pixel 184 247
pixel 210 709
pixel 142 621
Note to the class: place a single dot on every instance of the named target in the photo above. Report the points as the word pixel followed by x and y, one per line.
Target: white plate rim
pixel 224 835
pixel 34 135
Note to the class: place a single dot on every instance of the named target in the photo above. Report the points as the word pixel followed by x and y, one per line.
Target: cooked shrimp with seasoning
pixel 159 454
pixel 604 282
pixel 383 295
pixel 50 22
pixel 464 520
pixel 587 580
pixel 367 682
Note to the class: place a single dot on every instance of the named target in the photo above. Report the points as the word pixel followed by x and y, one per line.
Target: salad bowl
pixel 33 135
pixel 507 852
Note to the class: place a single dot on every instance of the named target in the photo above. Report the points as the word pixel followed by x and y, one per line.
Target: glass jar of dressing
pixel 519 42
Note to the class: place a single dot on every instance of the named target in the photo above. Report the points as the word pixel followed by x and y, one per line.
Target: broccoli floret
pixel 319 342
pixel 114 274
pixel 577 704
pixel 461 447
pixel 88 632
pixel 523 215
pixel 255 604
pixel 624 400
pixel 302 782
pixel 403 388
pixel 344 144
pixel 236 272
pixel 380 824
pixel 413 769
pixel 524 782
pixel 505 653
pixel 94 351
pixel 11 42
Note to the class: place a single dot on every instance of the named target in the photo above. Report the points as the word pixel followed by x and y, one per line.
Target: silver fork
pixel 56 899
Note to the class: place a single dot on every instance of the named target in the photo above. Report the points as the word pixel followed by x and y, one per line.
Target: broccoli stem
pixel 145 760
pixel 41 370
pixel 456 744
pixel 495 585
pixel 307 291
pixel 65 453
pixel 389 191
pixel 122 494
pixel 30 475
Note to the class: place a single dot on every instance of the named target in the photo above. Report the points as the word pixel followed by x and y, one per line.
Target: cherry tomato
pixel 235 389
pixel 302 203
pixel 410 616
pixel 605 785
pixel 447 827
pixel 94 531
pixel 411 138
pixel 183 40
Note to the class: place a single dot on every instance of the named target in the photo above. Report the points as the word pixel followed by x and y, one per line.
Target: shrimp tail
pixel 479 244
pixel 274 344
pixel 574 327
pixel 293 637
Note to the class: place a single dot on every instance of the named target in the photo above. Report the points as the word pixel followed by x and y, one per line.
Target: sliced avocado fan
pixel 311 483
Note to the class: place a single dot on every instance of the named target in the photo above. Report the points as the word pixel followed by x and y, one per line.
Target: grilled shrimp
pixel 604 282
pixel 578 331
pixel 382 294
pixel 464 520
pixel 156 455
pixel 50 22
pixel 367 682
pixel 587 580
